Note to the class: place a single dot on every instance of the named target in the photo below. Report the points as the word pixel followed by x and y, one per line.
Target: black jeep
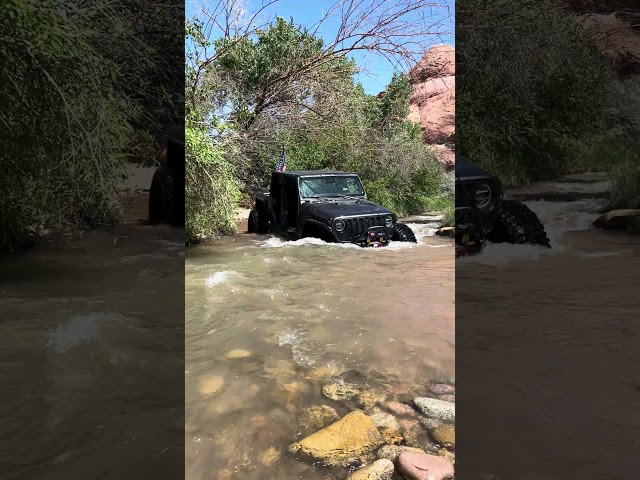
pixel 328 205
pixel 166 194
pixel 483 215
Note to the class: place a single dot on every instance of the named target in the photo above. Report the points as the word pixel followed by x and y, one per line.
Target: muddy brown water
pixel 308 314
pixel 551 388
pixel 92 363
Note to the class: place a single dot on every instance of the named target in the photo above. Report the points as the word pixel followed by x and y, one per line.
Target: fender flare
pixel 319 224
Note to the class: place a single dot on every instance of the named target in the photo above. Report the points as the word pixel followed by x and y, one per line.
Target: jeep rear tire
pixel 403 233
pixel 519 225
pixel 256 225
pixel 163 205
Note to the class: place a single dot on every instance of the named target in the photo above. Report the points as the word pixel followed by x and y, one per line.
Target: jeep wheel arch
pixel 315 229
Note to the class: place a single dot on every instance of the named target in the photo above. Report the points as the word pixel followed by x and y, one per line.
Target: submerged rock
pixel 269 457
pixel 384 420
pixel 435 408
pixel 391 452
pixel 338 391
pixel 422 466
pixel 368 399
pixel 445 435
pixel 238 353
pixel 378 470
pixel 342 442
pixel 442 389
pixel 319 416
pixel 400 409
pixel 211 385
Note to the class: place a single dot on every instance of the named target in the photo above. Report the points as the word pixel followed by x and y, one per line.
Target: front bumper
pixel 374 237
pixel 470 236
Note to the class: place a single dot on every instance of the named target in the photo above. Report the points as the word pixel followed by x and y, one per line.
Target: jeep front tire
pixel 402 233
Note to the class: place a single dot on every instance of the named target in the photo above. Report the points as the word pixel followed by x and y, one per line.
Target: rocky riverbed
pixel 381 436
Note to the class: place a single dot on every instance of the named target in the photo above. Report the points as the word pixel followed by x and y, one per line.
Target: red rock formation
pixel 432 102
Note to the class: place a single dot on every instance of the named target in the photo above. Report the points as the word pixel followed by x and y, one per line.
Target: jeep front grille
pixel 357 226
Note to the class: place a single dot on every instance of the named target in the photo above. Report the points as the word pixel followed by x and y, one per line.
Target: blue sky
pixel 376 72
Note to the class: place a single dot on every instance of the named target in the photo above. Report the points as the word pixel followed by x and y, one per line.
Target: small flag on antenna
pixel 281 167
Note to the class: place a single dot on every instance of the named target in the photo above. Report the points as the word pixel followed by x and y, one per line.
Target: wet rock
pixel 338 391
pixel 430 423
pixel 259 420
pixel 369 399
pixel 384 420
pixel 391 452
pixel 435 408
pixel 211 385
pixel 378 470
pixel 324 371
pixel 444 453
pixel 342 442
pixel 294 387
pixel 238 353
pixel 422 466
pixel 448 398
pixel 446 231
pixel 445 435
pixel 319 416
pixel 391 437
pixel 269 457
pixel 400 409
pixel 279 369
pixel 442 389
pixel 412 432
pixel 617 219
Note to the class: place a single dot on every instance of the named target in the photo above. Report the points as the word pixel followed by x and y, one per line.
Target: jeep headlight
pixel 339 225
pixel 483 196
pixel 388 222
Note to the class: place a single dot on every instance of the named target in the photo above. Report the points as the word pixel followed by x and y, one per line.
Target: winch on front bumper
pixel 374 237
pixel 469 236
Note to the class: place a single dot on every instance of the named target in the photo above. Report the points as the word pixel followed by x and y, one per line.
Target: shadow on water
pixel 269 323
pixel 555 333
pixel 92 362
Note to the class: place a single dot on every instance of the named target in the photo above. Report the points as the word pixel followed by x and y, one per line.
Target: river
pixel 269 322
pixel 92 362
pixel 549 346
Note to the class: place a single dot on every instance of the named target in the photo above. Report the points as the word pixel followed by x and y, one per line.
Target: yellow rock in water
pixel 269 457
pixel 211 385
pixel 238 353
pixel 341 442
pixel 446 231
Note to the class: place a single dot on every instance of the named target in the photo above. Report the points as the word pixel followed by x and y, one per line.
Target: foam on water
pixel 421 231
pixel 80 329
pixel 558 219
pixel 219 277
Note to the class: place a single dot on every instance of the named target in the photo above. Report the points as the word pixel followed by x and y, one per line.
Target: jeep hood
pixel 326 209
pixel 466 169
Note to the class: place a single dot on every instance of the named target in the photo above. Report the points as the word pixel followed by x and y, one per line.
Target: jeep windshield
pixel 330 186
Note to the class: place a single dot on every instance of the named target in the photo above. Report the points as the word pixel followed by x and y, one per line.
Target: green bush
pixel 211 190
pixel 625 191
pixel 532 88
pixel 66 132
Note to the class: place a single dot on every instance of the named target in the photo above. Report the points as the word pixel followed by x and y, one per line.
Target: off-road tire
pixel 255 223
pixel 519 225
pixel 402 233
pixel 163 204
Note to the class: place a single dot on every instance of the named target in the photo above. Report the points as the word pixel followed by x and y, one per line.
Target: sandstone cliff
pixel 432 102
